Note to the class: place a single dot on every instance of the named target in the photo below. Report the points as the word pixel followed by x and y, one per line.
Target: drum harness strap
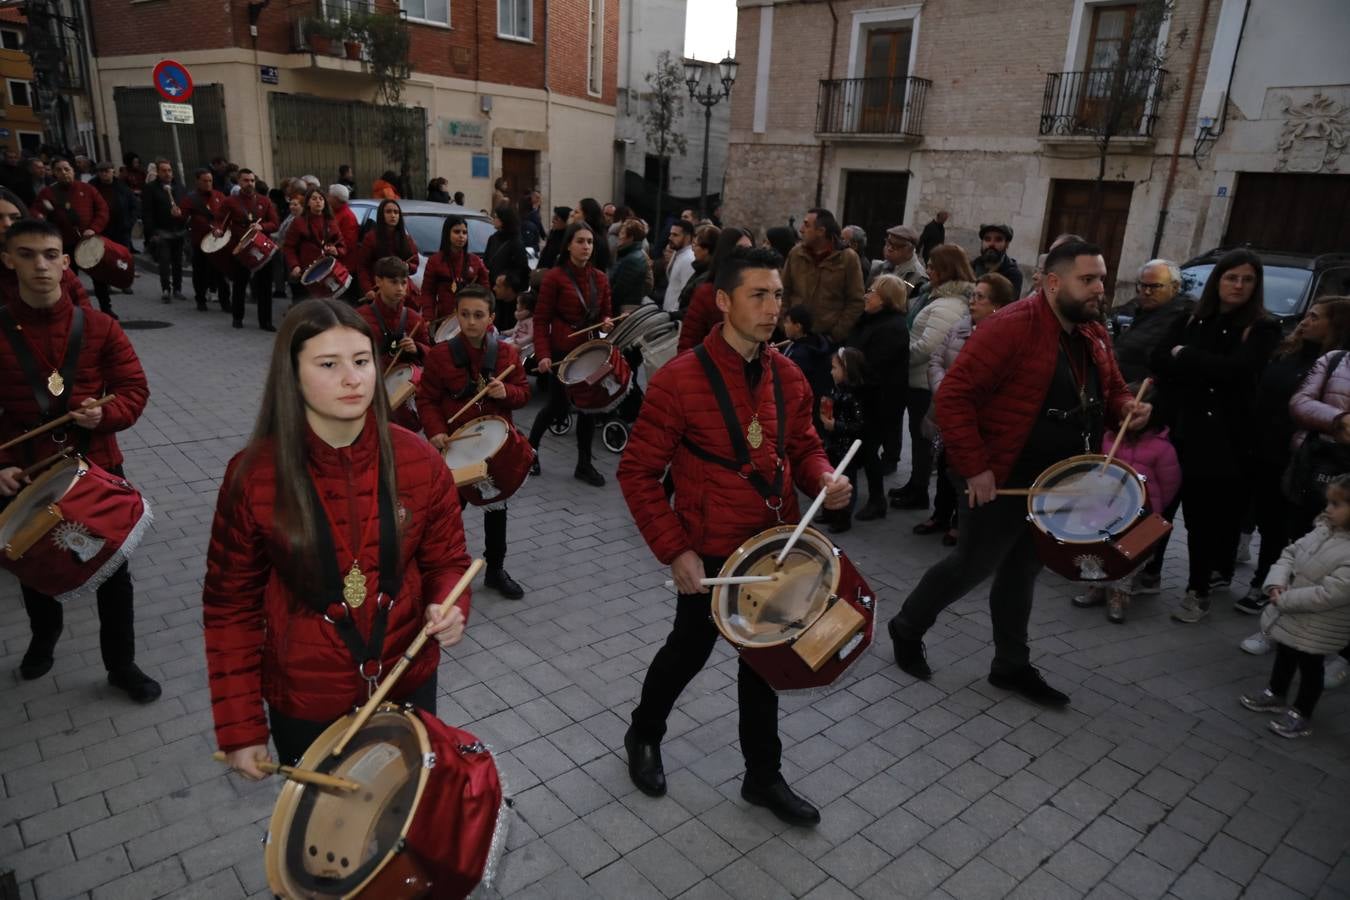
pixel 592 311
pixel 771 491
pixel 50 407
pixel 392 338
pixel 327 600
pixel 1083 373
pixel 459 354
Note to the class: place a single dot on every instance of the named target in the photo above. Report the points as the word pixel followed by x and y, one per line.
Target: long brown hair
pixel 281 426
pixel 398 239
pixel 949 263
pixel 1253 309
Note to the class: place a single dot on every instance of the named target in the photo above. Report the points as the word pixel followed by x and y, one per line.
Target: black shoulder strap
pixel 741 464
pixel 49 407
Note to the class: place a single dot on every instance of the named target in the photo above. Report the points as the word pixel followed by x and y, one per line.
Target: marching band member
pixel 732 421
pixel 573 295
pixel 395 324
pixel 449 269
pixel 335 538
pixel 79 212
pixel 389 237
pixel 200 206
pixel 456 370
pixel 237 214
pixel 312 235
pixel 12 209
pixel 56 357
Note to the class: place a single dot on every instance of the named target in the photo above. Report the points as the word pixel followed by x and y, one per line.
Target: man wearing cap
pixel 899 258
pixel 994 240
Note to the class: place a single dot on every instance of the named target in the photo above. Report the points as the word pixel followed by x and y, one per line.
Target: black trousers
pixel 917 401
pixel 102 292
pixel 682 657
pixel 169 259
pixel 494 537
pixel 1274 517
pixel 1155 560
pixel 994 540
pixel 116 619
pixel 206 277
pixel 946 503
pixel 1214 503
pixel 557 407
pixel 868 459
pixel 293 736
pixel 892 426
pixel 1309 668
pixel 261 282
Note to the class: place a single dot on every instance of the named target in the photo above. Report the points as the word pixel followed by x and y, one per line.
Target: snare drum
pixel 448 328
pixel 490 460
pixel 217 249
pixel 326 277
pixel 806 628
pixel 106 261
pixel 1091 520
pixel 71 528
pixel 401 386
pixel 255 249
pixel 429 820
pixel 595 376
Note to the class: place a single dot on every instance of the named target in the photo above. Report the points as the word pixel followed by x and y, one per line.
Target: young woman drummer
pixel 312 235
pixel 449 269
pixel 335 539
pixel 455 371
pixel 389 237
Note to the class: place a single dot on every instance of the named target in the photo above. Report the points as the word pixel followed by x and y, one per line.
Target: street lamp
pixel 709 97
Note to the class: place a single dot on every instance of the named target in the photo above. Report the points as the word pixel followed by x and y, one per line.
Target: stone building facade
pixel 887 113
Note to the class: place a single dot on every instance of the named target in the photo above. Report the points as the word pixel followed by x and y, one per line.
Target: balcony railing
pixel 872 106
pixel 303 14
pixel 1093 102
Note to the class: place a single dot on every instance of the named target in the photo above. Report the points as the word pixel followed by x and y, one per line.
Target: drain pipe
pixel 829 73
pixel 1181 129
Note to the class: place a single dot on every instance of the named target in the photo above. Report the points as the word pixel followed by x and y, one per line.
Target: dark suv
pixel 1292 280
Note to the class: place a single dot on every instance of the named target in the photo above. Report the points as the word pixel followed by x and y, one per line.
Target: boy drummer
pixel 458 369
pixel 57 357
pixel 395 324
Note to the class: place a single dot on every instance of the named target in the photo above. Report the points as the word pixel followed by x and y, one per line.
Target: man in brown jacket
pixel 825 279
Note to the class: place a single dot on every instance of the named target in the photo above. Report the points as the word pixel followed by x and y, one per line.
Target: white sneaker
pixel 1258 644
pixel 1244 548
pixel 1336 673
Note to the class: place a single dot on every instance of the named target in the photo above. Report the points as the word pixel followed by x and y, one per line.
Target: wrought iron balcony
pixel 317 18
pixel 1095 102
pixel 872 106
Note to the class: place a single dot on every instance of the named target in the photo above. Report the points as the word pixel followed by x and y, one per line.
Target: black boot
pixel 840 521
pixel 875 509
pixel 201 305
pixel 586 472
pixel 644 764
pixel 494 537
pixel 909 654
pixel 138 685
pixel 40 657
pixel 780 800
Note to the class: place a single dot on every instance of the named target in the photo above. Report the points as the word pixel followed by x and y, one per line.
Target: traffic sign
pixel 173 81
pixel 176 113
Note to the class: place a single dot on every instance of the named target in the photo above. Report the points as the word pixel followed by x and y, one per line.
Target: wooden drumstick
pixel 731 579
pixel 393 362
pixel 476 397
pixel 816 503
pixel 588 329
pixel 42 464
pixel 1035 492
pixel 1125 426
pixel 308 776
pixel 364 713
pixel 57 423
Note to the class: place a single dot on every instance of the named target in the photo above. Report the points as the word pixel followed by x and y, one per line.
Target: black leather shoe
pixel 1028 682
pixel 501 581
pixel 644 765
pixel 138 685
pixel 586 472
pixel 201 306
pixel 237 324
pixel 909 654
pixel 40 657
pixel 875 509
pixel 267 327
pixel 927 526
pixel 840 522
pixel 910 501
pixel 779 799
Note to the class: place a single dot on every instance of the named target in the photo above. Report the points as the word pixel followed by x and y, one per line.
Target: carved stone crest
pixel 1314 136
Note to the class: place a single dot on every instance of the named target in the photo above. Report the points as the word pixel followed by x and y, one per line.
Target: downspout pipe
pixel 829 73
pixel 1186 99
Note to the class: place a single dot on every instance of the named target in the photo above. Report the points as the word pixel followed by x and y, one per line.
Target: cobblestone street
pixel 1155 782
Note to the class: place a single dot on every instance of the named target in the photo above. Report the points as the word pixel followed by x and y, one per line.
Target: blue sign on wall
pixel 269 74
pixel 482 166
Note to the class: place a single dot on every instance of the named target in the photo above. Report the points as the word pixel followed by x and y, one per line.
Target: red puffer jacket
pixel 381 319
pixel 990 398
pixel 73 209
pixel 108 364
pixel 372 250
pixel 261 645
pixel 700 317
pixel 559 311
pixel 444 277
pixel 716 510
pixel 305 240
pixel 442 380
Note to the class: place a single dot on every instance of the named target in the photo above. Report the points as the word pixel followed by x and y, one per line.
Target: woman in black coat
pixel 504 254
pixel 883 337
pixel 1207 370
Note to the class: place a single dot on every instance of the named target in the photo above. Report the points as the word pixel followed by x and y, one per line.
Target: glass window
pixel 596 48
pixel 513 19
pixel 426 231
pixel 18 94
pixel 1284 287
pixel 437 11
pixel 11 39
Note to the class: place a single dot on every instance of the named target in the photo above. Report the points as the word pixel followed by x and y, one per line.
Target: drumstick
pixel 57 423
pixel 476 397
pixel 39 466
pixel 393 362
pixel 731 579
pixel 364 713
pixel 1035 492
pixel 591 328
pixel 816 504
pixel 308 776
pixel 1125 426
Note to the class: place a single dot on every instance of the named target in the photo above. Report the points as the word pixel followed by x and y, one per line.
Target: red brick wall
pixel 568 34
pixel 120 28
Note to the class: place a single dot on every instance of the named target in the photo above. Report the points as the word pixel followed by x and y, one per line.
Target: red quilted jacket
pixel 376 313
pixel 443 278
pixel 700 317
pixel 990 398
pixel 108 364
pixel 442 379
pixel 73 210
pixel 305 239
pixel 559 311
pixel 716 510
pixel 259 647
pixel 372 250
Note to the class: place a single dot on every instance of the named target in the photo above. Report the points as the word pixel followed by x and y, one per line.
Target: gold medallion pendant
pixel 754 434
pixel 354 587
pixel 56 384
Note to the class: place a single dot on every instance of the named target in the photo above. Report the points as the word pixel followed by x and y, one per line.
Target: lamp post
pixel 709 97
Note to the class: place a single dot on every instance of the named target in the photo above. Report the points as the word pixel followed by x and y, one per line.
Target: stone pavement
pixel 1153 783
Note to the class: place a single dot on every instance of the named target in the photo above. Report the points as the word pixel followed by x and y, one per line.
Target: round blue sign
pixel 173 81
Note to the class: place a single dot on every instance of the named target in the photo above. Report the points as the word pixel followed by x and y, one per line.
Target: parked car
pixel 1292 280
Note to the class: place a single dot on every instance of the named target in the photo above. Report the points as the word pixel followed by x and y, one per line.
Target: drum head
pixel 47 488
pixel 1080 502
pixel 476 442
pixel 316 272
pixel 326 843
pixel 761 615
pixel 214 243
pixel 448 328
pixel 584 362
pixel 89 252
pixel 404 373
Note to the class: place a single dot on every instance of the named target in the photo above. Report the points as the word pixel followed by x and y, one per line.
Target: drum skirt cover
pixel 116 559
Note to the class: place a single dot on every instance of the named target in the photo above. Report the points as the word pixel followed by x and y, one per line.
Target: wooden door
pixel 519 167
pixel 876 201
pixel 1071 212
pixel 884 71
pixel 1296 213
pixel 1108 49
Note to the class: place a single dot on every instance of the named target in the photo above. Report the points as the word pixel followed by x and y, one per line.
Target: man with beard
pixel 1034 385
pixel 994 240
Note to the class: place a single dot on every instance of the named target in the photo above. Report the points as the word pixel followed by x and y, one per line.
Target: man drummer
pixel 1035 385
pixel 732 421
pixel 80 212
pixel 456 370
pixel 236 215
pixel 200 208
pixel 55 359
pixel 398 328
